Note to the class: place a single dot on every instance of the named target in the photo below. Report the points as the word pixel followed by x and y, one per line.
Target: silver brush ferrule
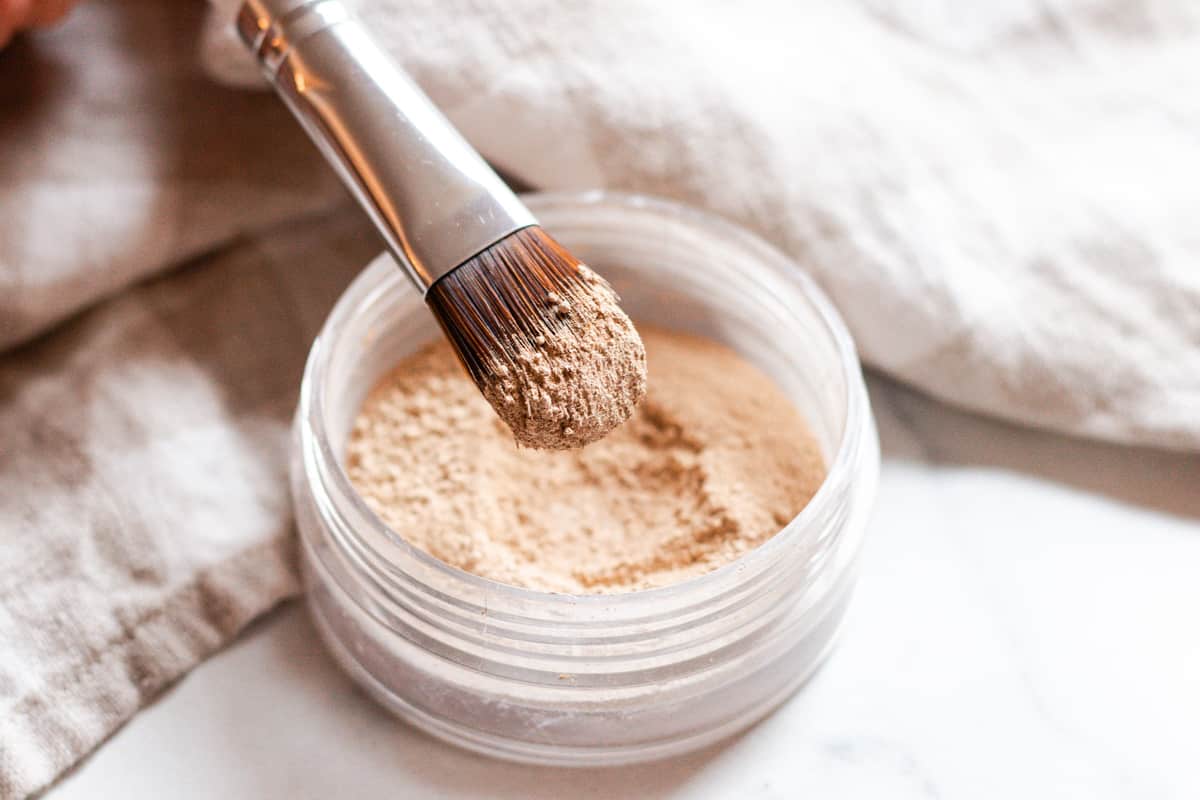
pixel 434 199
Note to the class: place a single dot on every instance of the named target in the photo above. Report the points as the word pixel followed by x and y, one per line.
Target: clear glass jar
pixel 602 679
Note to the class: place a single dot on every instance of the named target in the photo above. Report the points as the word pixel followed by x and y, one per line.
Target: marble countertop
pixel 1027 625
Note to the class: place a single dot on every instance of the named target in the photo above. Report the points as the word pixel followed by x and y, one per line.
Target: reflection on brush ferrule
pixel 436 202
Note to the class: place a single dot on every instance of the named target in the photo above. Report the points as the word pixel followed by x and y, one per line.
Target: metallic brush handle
pixel 434 199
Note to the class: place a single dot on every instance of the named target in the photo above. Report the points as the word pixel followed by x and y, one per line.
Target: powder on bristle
pixel 544 339
pixel 580 381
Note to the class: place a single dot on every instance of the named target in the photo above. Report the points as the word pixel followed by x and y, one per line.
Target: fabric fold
pixel 999 197
pixel 144 512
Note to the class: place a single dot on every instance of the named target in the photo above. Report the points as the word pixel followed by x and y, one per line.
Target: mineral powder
pixel 574 385
pixel 713 462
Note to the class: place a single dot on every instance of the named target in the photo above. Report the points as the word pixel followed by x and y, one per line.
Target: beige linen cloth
pixel 1003 198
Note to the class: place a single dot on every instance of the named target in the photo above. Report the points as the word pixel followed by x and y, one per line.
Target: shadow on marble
pixel 916 427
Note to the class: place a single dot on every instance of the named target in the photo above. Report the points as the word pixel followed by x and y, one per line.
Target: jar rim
pixel 839 473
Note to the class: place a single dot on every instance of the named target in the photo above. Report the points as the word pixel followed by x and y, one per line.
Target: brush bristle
pixel 508 296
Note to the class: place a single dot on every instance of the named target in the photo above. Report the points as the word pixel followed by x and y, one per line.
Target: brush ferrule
pixel 434 199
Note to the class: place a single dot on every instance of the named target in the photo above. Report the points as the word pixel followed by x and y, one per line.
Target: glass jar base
pixel 555 755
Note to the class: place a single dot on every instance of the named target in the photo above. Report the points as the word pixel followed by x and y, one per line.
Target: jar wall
pixel 601 679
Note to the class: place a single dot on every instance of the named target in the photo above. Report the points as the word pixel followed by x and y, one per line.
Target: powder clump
pixel 571 387
pixel 713 463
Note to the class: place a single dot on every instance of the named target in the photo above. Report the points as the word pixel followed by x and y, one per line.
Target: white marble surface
pixel 1027 626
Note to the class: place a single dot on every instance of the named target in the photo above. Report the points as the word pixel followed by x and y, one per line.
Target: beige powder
pixel 577 383
pixel 713 463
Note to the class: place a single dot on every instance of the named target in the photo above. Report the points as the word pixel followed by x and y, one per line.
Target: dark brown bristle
pixel 504 297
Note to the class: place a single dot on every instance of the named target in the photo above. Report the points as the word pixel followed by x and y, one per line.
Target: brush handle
pixel 434 199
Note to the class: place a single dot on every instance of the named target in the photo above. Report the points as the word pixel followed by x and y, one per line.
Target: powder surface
pixel 579 382
pixel 713 462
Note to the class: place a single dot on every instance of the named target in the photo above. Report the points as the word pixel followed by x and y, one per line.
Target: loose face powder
pixel 713 462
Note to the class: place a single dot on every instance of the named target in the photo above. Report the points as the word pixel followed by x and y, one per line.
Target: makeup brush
pixel 541 335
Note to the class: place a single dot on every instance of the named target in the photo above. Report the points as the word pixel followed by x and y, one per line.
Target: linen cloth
pixel 1000 197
